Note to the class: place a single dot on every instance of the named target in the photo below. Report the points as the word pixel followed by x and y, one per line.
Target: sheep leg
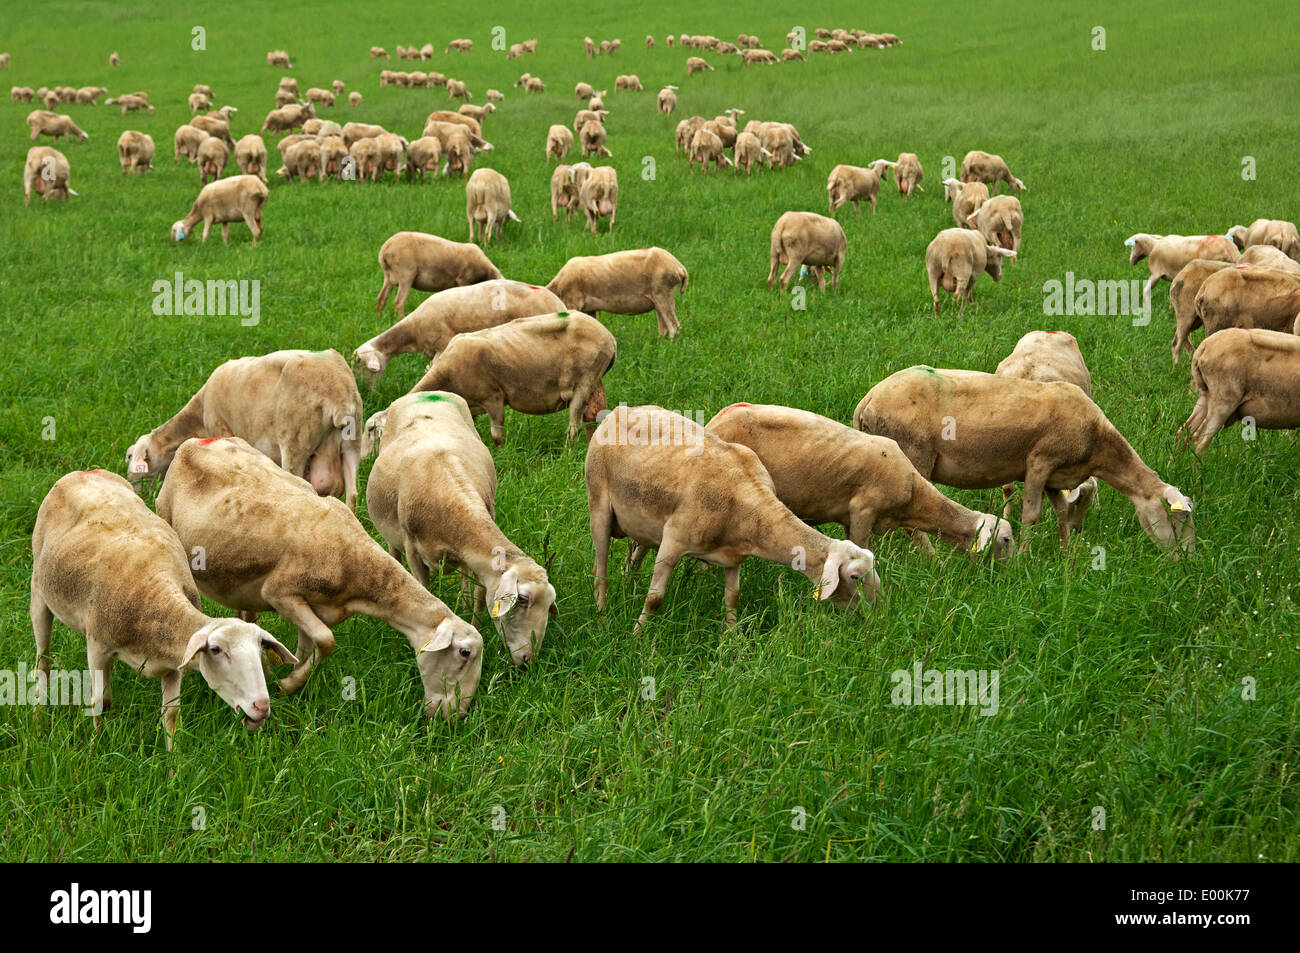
pixel 791 269
pixel 601 519
pixel 1219 413
pixel 1192 425
pixel 225 233
pixel 635 556
pixel 861 523
pixel 665 562
pixel 1008 491
pixel 414 562
pixel 316 632
pixel 42 629
pixel 835 274
pixel 613 215
pixel 1062 508
pixel 100 661
pixel 207 226
pixel 963 293
pixel 1036 474
pixel 934 288
pixel 496 411
pixel 171 703
pixel 400 301
pixel 577 404
pixel 351 462
pixel 731 591
pixel 771 275
pixel 383 295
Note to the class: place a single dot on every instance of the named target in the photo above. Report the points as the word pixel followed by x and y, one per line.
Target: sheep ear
pixel 441 638
pixel 198 642
pixel 830 575
pixel 507 594
pixel 277 653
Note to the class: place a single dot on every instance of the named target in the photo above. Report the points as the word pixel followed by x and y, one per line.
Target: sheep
pixel 1248 297
pixel 978 431
pixel 401 52
pixel 453 519
pixel 778 142
pixel 224 113
pixel 440 317
pixel 984 167
pixel 353 131
pixel 21 94
pixel 4 60
pixel 628 82
pixel 365 158
pixel 113 59
pixel 559 140
pixel 428 263
pixel 56 126
pixel 851 183
pixel 50 99
pixel 46 170
pixel 205 89
pixel 458 149
pixel 649 41
pixel 278 58
pixel 593 139
pixel 956 258
pixel 322 96
pixel 908 173
pixel 87 95
pixel 606 47
pixel 706 147
pixel 392 150
pixel 748 153
pixel 669 484
pixel 695 65
pixel 515 52
pixel 495 96
pixel 534 85
pixel 213 156
pixel 760 57
pixel 135 602
pixel 457 90
pixel 235 199
pixel 1182 299
pixel 354 99
pixel 1244 373
pixel 135 151
pixel 523 78
pixel 273 544
pixel 302 161
pixel 668 41
pixel 460 46
pixel 476 112
pixel 131 102
pixel 966 198
pixel 1279 233
pixel 800 238
pixel 584 116
pixel 186 143
pixel 378 52
pixel 471 124
pixel 1000 221
pixel 1269 256
pixel 198 101
pixel 534 365
pixel 419 80
pixel 530 46
pixel 826 472
pixel 426 51
pixel 614 45
pixel 627 282
pixel 666 101
pixel 321 128
pixel 790 54
pixel 333 157
pixel 283 145
pixel 301 408
pixel 598 196
pixel 338 86
pixel 589 46
pixel 566 181
pixel 487 204
pixel 423 155
pixel 282 120
pixel 1167 254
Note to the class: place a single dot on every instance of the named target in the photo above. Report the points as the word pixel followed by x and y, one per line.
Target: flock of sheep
pixel 266 443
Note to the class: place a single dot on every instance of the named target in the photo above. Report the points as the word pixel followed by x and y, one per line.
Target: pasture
pixel 1121 671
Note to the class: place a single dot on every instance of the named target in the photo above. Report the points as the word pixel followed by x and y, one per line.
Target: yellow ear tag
pixel 496 609
pixel 1176 507
pixel 817 592
pixel 975 545
pixel 274 656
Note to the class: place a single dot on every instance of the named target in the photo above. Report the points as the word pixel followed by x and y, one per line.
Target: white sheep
pixel 806 238
pixel 955 259
pixel 428 263
pixel 46 172
pixel 1245 372
pixel 487 204
pixel 627 282
pixel 237 199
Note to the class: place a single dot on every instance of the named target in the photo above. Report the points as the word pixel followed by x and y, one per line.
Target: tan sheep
pixel 666 101
pixel 476 112
pixel 954 261
pixel 534 85
pixel 535 365
pixel 46 172
pixel 978 431
pixel 666 483
pixel 851 183
pixel 1244 373
pixel 789 54
pixel 806 238
pixel 113 59
pixel 392 152
pixel 598 196
pixel 826 472
pixel 428 263
pixel 273 545
pixel 213 156
pixel 487 204
pixel 566 181
pixel 1279 233
pixel 626 282
pixel 582 90
pixel 495 96
pixel 302 161
pixel 250 156
pixel 593 139
pixel 559 141
pixel 354 99
pixel 87 95
pixel 1182 298
pixel 584 116
pixel 908 174
pixel 282 120
pixel 199 101
pixel 1269 256
pixel 338 86
pixel 136 603
pixel 214 126
pixel 966 198
pixel 1247 296
pixel 204 89
pixel 460 46
pixel 453 519
pixel 22 94
pixel 378 52
pixel 131 102
pixel 365 159
pixel 333 157
pixel 423 156
pixel 186 143
pixel 457 90
pixel 54 125
pixel 1000 220
pixel 984 167
pixel 322 96
pixel 237 199
pixel 278 58
pixel 696 65
pixel 360 130
pixel 706 147
pixel 440 317
pixel 629 82
pixel 135 151
pixel 1167 254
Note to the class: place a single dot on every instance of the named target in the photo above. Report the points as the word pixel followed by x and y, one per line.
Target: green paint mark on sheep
pixel 432 397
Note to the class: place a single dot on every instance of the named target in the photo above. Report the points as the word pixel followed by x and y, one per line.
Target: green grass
pixel 1121 687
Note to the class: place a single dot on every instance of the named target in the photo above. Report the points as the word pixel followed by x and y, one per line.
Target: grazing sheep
pixel 131 102
pixel 1167 254
pixel 273 544
pixel 105 566
pixel 323 96
pixel 649 41
pixel 333 155
pixel 582 90
pixel 353 131
pixel 457 90
pixel 87 95
pixel 559 140
pixel 302 161
pixel 584 116
pixel 365 158
pixel 224 113
pixel 460 46
pixel 428 263
pixel 199 101
pixel 669 41
pixel 213 156
pixel 495 96
pixel 666 101
pixel 1245 372
pixel 1277 232
pixel 283 145
pixel 113 59
pixel 1248 297
pixel 666 483
pixel 589 46
pixel 534 85
pixel 476 112
pixel 56 126
pixel 1053 356
pixel 320 128
pixel 1000 221
pixel 423 156
pixel 978 431
pixel 566 181
pixel 338 86
pixel 628 82
pixel 1269 256
pixel 135 151
pixel 598 196
pixel 515 52
pixel 186 143
pixel 748 153
pixel 626 282
pixel 908 174
pixel 22 94
pixel 354 99
pixel 956 258
pixel 392 151
pixel 487 204
pixel 300 408
pixel 214 126
pixel 826 472
pixel 454 517
pixel 851 183
pixel 46 171
pixel 778 142
pixel 695 65
pixel 593 139
pixel 440 317
pixel 806 238
pixel 237 199
pixel 284 97
pixel 966 198
pixel 534 365
pixel 987 168
pixel 1182 298
pixel 472 125
pixel 282 120
pixel 706 147
pixel 378 52
pixel 788 54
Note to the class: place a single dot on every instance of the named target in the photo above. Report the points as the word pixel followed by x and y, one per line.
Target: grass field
pixel 1121 688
